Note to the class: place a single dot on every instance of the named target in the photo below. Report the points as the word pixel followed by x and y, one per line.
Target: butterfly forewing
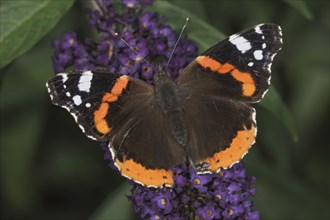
pixel 239 65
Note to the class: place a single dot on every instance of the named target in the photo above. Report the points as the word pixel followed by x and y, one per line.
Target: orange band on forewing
pixel 101 112
pixel 248 89
pixel 109 97
pixel 148 177
pixel 100 124
pixel 102 127
pixel 236 150
pixel 225 68
pixel 208 62
pixel 248 85
pixel 120 85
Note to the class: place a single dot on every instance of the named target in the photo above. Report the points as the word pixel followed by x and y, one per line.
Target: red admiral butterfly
pixel 203 117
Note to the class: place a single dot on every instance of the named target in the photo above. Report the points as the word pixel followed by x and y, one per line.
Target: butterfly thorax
pixel 166 93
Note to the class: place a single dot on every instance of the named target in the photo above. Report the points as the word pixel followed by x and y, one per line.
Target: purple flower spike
pixel 199 181
pixel 144 32
pixel 207 196
pixel 224 195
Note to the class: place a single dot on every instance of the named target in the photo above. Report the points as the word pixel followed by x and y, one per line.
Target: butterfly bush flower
pixel 145 32
pixel 223 195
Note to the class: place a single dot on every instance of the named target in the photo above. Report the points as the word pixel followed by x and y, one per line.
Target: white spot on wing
pixel 280 30
pixel 77 100
pixel 82 128
pixel 258 54
pixel 268 80
pixel 73 114
pixel 64 77
pixel 240 42
pixel 257 29
pixel 75 117
pixel 233 36
pixel 272 56
pixel 269 67
pixel 263 45
pixel 112 152
pixel 263 94
pixel 91 137
pixel 88 104
pixel 250 64
pixel 254 116
pixel 84 84
pixel 204 172
pixel 66 107
pixel 48 89
pixel 68 94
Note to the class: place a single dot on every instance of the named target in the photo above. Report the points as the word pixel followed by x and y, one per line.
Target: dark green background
pixel 50 170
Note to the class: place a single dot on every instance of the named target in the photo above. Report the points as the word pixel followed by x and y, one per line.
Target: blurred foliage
pixel 50 170
pixel 23 23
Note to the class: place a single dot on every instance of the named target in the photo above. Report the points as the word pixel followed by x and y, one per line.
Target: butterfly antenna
pixel 177 42
pixel 132 49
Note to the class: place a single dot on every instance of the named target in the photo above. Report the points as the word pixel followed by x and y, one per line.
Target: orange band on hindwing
pixel 236 150
pixel 149 177
pixel 248 84
pixel 101 124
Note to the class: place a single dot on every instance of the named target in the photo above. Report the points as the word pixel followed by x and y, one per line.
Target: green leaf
pixel 23 23
pixel 301 7
pixel 18 145
pixel 280 196
pixel 198 30
pixel 23 101
pixel 115 206
pixel 195 7
pixel 273 103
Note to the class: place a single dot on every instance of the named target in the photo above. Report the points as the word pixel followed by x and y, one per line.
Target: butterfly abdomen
pixel 178 128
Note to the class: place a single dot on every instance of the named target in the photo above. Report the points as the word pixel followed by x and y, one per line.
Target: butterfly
pixel 204 117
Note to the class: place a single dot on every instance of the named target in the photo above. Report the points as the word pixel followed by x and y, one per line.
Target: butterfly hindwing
pixel 143 146
pixel 218 125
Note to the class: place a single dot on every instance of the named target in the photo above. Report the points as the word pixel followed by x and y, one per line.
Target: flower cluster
pixel 224 195
pixel 145 32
